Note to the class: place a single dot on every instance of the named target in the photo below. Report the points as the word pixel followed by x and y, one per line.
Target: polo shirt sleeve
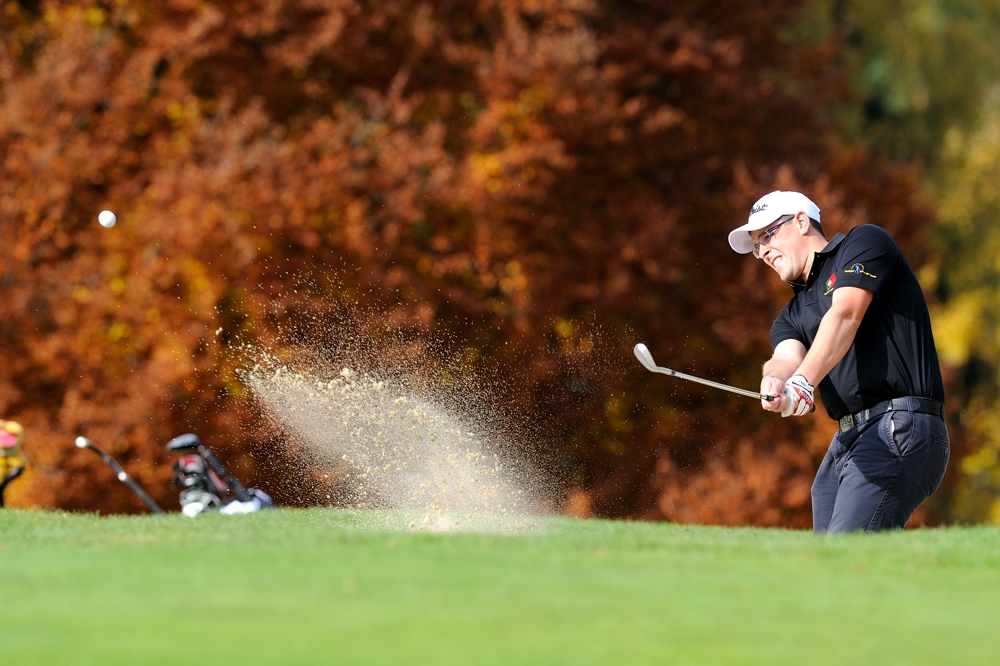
pixel 867 259
pixel 783 329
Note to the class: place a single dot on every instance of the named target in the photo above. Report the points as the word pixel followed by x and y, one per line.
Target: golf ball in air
pixel 107 219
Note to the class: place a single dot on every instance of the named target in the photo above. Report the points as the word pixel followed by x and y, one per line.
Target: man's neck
pixel 816 245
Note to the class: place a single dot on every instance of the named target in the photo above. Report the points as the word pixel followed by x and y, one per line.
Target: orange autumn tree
pixel 538 184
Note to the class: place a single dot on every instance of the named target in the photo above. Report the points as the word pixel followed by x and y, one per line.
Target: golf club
pixel 642 353
pixel 3 482
pixel 84 443
pixel 191 442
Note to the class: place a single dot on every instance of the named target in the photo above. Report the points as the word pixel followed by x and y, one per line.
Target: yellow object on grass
pixel 11 460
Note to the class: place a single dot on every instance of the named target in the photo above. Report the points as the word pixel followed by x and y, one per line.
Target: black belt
pixel 907 404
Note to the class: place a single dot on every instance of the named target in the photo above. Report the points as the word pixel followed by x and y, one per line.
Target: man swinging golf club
pixel 857 326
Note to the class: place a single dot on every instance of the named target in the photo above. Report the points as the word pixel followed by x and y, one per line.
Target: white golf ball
pixel 107 219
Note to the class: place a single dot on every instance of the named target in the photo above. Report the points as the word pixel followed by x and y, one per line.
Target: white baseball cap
pixel 768 209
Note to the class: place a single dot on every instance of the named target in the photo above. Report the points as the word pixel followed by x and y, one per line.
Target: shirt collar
pixel 833 244
pixel 830 248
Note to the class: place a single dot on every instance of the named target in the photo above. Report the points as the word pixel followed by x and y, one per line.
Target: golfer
pixel 857 327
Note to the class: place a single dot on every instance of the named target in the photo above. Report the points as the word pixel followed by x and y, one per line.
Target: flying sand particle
pixel 386 458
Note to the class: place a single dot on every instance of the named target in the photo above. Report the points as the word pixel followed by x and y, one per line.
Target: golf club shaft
pixel 642 353
pixel 3 482
pixel 708 382
pixel 124 477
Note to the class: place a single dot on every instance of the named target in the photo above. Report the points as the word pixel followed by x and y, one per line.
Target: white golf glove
pixel 800 396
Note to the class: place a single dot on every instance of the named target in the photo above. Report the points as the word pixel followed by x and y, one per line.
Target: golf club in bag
pixel 207 484
pixel 84 443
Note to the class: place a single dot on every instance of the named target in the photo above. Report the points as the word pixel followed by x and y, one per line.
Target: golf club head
pixel 642 353
pixel 187 442
pixel 82 442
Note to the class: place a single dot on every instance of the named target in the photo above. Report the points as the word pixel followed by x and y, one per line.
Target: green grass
pixel 324 586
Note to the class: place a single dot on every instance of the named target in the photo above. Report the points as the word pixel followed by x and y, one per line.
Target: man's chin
pixel 776 267
pixel 784 275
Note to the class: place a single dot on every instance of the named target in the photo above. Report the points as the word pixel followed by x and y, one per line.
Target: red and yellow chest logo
pixel 830 282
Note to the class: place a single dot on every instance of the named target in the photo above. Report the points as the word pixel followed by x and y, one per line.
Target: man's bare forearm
pixel 782 368
pixel 835 334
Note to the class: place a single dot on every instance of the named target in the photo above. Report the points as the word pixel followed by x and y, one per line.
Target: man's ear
pixel 803 223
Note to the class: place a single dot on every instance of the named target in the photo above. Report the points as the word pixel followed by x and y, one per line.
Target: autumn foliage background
pixel 527 188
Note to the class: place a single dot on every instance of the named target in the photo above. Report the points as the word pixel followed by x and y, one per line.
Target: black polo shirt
pixel 893 354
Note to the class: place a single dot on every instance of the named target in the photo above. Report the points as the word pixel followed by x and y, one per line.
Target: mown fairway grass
pixel 324 586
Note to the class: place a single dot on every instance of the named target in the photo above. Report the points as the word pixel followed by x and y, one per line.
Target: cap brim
pixel 740 239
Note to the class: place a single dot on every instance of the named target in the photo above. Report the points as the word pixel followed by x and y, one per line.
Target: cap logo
pixel 758 208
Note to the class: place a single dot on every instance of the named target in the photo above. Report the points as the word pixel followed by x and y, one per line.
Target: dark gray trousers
pixel 875 475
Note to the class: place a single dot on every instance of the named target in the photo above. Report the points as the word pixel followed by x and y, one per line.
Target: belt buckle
pixel 847 422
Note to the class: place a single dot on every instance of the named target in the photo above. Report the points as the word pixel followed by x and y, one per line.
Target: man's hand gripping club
pixel 799 392
pixel 794 397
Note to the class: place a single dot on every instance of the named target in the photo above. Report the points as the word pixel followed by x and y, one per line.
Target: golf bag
pixel 206 483
pixel 201 487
